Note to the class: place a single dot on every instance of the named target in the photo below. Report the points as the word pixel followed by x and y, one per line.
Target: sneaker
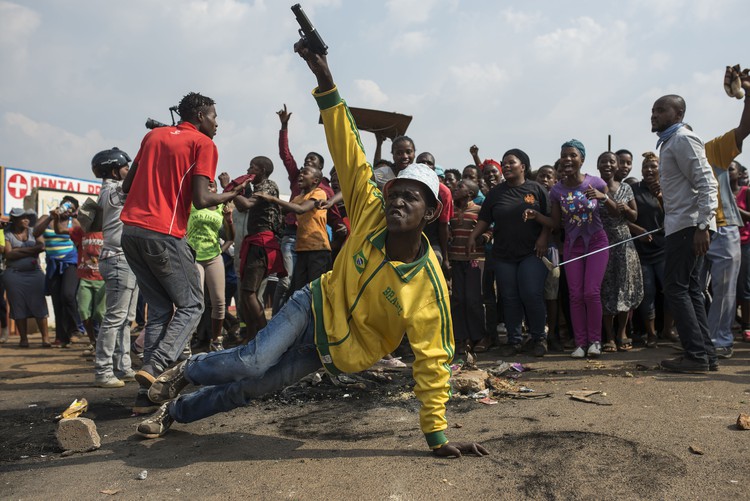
pixel 595 349
pixel 510 350
pixel 169 384
pixel 4 335
pixel 579 352
pixel 217 344
pixel 390 363
pixel 145 377
pixel 143 405
pixel 685 365
pixel 109 382
pixel 128 376
pixel 158 424
pixel 724 352
pixel 540 348
pixel 501 329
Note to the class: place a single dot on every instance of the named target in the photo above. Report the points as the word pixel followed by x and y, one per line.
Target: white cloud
pixel 17 25
pixel 369 93
pixel 406 12
pixel 519 20
pixel 479 76
pixel 43 146
pixel 412 42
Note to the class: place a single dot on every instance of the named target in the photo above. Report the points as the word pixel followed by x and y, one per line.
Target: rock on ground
pixel 78 435
pixel 467 382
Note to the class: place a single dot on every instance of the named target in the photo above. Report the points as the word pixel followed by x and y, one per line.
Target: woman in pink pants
pixel 575 207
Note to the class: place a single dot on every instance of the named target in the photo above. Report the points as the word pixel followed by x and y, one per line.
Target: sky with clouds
pixel 80 76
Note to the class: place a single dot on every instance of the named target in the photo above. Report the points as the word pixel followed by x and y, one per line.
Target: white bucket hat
pixel 425 175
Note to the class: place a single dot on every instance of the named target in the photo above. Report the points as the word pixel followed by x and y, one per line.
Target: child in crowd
pixel 313 247
pixel 547 177
pixel 466 269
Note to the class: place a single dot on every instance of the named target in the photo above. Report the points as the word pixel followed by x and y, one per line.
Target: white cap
pixel 425 175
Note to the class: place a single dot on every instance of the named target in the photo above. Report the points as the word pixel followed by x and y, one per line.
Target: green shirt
pixel 203 232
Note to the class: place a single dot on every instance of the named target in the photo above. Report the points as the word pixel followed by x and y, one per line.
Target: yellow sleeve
pixel 431 339
pixel 721 151
pixel 362 198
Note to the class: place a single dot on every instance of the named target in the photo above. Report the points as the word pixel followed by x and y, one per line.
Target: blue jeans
pixel 684 295
pixel 113 342
pixel 281 354
pixel 164 267
pixel 521 286
pixel 723 260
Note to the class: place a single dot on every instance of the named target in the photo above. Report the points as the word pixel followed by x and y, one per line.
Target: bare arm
pixel 379 140
pixel 41 225
pixel 743 129
pixel 128 182
pixel 305 206
pixel 228 228
pixel 474 151
pixel 203 198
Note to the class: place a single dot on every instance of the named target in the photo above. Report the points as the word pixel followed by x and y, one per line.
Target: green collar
pixel 406 271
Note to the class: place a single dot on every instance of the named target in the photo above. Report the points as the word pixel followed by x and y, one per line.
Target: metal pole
pixel 609 247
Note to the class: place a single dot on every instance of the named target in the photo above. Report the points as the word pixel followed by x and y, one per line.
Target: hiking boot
pixel 158 424
pixel 142 403
pixel 579 352
pixel 540 348
pixel 510 350
pixel 145 376
pixel 169 384
pixel 108 382
pixel 685 365
pixel 595 349
pixel 724 352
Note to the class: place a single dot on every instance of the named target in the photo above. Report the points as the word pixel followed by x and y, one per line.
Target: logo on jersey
pixel 360 262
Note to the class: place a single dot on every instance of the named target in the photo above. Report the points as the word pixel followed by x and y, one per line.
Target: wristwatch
pixel 702 226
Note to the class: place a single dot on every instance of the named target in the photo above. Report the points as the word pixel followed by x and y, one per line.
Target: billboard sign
pixel 19 183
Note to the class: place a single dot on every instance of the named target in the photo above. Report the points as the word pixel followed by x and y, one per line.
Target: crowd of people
pixel 553 258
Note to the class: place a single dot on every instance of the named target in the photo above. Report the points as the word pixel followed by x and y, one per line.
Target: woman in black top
pixel 519 209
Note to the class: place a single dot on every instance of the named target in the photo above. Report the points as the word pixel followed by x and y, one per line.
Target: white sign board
pixel 18 183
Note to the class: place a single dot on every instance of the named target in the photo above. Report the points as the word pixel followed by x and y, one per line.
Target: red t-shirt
pixel 160 197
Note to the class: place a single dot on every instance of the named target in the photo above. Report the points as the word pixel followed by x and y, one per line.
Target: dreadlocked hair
pixel 192 104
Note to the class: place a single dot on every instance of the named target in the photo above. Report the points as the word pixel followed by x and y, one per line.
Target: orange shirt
pixel 312 234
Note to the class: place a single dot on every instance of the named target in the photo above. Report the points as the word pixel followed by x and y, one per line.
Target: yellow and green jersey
pixel 366 304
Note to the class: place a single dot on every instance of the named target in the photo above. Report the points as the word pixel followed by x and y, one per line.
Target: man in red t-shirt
pixel 170 172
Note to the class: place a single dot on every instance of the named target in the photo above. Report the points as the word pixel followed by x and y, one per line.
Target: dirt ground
pixel 362 441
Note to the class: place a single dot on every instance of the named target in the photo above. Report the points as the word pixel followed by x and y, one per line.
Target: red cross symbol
pixel 17 186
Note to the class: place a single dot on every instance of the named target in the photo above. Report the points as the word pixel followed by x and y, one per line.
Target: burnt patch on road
pixel 326 424
pixel 582 465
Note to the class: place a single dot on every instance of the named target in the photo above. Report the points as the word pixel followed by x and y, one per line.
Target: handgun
pixel 310 36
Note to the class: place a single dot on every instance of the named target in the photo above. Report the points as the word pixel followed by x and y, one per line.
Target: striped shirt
pixel 462 224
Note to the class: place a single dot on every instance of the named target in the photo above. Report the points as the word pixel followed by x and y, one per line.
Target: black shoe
pixel 540 348
pixel 724 352
pixel 685 365
pixel 713 366
pixel 510 350
pixel 143 405
pixel 169 384
pixel 554 344
pixel 158 424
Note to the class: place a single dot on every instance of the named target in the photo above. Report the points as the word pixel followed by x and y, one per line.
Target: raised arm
pixel 474 152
